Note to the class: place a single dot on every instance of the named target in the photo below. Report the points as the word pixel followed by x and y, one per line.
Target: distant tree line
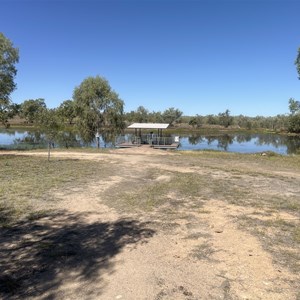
pixel 224 119
pixel 294 105
pixel 31 111
pixel 276 123
pixel 171 116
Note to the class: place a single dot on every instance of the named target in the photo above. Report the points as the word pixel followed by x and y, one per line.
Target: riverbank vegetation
pixel 198 123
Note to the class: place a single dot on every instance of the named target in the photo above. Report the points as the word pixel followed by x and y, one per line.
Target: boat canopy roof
pixel 148 126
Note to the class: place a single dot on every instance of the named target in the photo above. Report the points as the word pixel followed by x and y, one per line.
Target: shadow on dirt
pixel 35 255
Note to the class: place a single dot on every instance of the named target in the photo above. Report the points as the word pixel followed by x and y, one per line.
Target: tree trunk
pixel 49 147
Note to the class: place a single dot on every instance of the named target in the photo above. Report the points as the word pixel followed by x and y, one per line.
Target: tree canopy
pixel 225 119
pixel 31 109
pixel 50 124
pixel 297 63
pixel 9 56
pixel 171 115
pixel 67 111
pixel 294 105
pixel 98 108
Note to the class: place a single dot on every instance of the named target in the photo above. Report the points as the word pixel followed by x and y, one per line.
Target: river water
pixel 241 143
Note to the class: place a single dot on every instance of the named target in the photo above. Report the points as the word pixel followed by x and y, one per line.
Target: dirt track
pixel 199 254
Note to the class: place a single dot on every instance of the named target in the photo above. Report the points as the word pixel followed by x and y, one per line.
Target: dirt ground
pixel 110 253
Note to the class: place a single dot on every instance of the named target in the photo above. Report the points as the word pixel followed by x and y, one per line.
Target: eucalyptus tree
pixel 297 63
pixel 294 106
pixel 196 121
pixel 67 111
pixel 32 109
pixel 9 56
pixel 98 108
pixel 142 115
pixel 156 117
pixel 294 123
pixel 212 119
pixel 225 118
pixel 171 115
pixel 50 125
pixel 8 112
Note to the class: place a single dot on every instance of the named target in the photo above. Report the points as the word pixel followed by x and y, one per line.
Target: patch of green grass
pixel 28 183
pixel 223 160
pixel 35 215
pixel 279 236
pixel 147 197
pixel 296 234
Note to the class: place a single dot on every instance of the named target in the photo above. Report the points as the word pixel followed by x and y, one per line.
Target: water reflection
pixel 221 142
pixel 243 143
pixel 67 139
pixel 195 139
pixel 33 139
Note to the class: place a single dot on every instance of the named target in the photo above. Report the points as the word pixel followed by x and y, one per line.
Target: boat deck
pixel 128 145
pixel 131 145
pixel 172 146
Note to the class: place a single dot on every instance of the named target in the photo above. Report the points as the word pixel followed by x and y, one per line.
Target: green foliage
pixel 276 123
pixel 156 117
pixel 142 115
pixel 294 106
pixel 51 125
pixel 212 120
pixel 7 112
pixel 294 123
pixel 171 115
pixel 67 111
pixel 9 56
pixel 32 109
pixel 225 119
pixel 98 108
pixel 297 62
pixel 49 121
pixel 196 121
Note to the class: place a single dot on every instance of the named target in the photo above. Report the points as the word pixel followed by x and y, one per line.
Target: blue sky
pixel 201 57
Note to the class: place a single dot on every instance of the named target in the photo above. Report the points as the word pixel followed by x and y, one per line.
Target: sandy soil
pixel 205 256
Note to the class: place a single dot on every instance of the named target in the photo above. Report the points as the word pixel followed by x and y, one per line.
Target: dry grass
pixel 267 186
pixel 28 183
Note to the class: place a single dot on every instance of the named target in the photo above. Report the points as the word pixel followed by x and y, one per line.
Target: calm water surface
pixel 242 143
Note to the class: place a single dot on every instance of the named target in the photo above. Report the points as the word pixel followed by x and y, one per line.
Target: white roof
pixel 148 126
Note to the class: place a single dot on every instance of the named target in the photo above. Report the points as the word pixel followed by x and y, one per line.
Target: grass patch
pixel 279 236
pixel 181 191
pixel 269 184
pixel 28 183
pixel 203 252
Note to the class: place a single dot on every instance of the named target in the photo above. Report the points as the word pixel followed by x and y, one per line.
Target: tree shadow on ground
pixel 35 255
